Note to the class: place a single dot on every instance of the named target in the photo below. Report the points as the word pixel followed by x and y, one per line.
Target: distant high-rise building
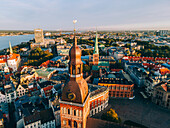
pixel 39 37
pixel 163 32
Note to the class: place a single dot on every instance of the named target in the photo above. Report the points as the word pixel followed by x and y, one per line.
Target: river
pixel 15 40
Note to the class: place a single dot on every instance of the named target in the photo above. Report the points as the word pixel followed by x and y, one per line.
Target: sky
pixel 90 14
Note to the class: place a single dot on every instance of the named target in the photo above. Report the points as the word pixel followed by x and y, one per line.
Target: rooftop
pixel 96 89
pixel 115 81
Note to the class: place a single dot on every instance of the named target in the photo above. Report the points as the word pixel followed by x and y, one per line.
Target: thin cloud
pixel 108 14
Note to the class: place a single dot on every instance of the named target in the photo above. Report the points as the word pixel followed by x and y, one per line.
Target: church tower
pixel 96 52
pixel 74 104
pixel 10 48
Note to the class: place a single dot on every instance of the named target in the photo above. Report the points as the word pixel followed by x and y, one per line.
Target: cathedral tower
pixel 74 104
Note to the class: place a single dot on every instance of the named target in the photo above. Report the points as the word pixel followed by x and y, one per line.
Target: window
pixel 68 111
pixel 117 88
pixel 73 70
pixel 74 112
pixel 78 70
pixel 75 124
pixel 69 123
pixel 98 101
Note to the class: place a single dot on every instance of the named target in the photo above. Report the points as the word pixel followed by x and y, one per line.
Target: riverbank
pixel 15 40
pixel 14 35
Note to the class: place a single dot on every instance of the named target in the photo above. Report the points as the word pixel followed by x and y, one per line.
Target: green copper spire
pixel 10 47
pixel 96 49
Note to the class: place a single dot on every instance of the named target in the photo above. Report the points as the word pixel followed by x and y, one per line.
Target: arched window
pixel 75 124
pixel 74 112
pixel 68 111
pixel 69 123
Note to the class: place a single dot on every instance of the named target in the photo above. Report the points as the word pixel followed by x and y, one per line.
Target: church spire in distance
pixel 96 49
pixel 10 47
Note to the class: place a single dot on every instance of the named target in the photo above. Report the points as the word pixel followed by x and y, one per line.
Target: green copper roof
pixel 96 49
pixel 44 72
pixel 103 63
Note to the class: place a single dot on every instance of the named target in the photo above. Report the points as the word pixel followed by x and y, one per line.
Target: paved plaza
pixel 141 111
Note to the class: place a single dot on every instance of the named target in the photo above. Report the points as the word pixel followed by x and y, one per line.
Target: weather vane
pixel 74 22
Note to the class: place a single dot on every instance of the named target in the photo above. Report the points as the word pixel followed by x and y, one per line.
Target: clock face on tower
pixel 71 96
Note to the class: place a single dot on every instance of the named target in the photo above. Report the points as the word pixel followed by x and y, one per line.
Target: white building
pixel 10 61
pixel 10 93
pixel 2 97
pixel 21 90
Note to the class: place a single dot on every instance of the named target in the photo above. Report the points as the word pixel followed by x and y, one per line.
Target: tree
pixel 111 115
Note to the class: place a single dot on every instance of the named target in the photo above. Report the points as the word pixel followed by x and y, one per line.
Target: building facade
pixel 11 61
pixel 161 94
pixel 118 87
pixel 21 90
pixel 99 98
pixel 10 93
pixel 2 97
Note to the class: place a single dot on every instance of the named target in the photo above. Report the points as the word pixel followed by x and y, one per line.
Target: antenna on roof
pixel 75 40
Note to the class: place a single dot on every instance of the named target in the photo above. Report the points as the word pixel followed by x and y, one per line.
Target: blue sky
pixel 103 14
